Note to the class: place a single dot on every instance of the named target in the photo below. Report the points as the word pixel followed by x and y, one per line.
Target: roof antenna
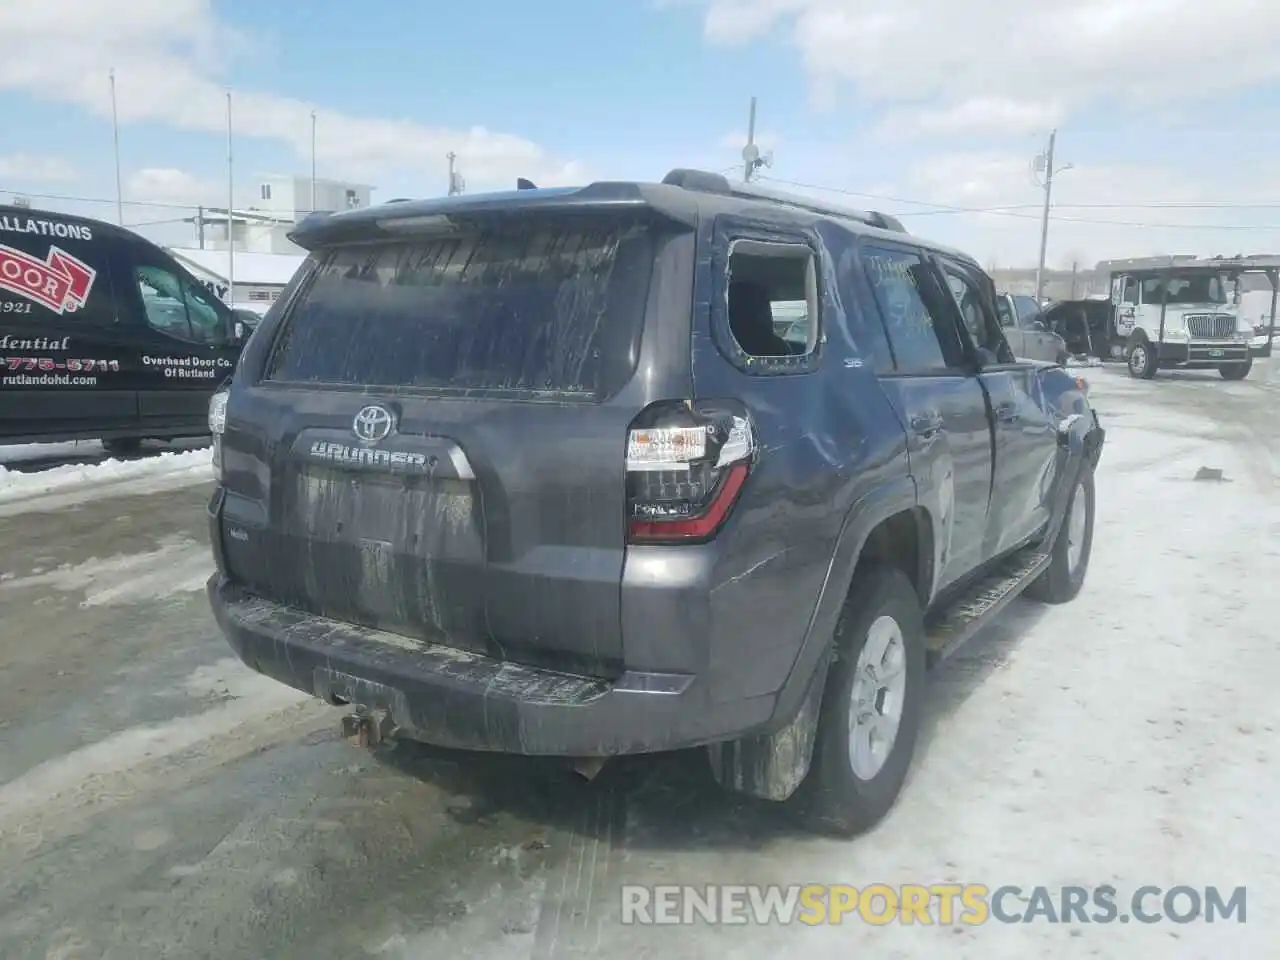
pixel 523 184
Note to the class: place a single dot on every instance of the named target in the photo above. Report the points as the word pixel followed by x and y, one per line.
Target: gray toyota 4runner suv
pixel 535 472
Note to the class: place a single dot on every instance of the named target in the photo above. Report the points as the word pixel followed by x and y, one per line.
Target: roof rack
pixel 702 181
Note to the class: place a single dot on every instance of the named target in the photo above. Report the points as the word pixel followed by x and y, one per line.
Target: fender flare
pixel 1137 336
pixel 773 762
pixel 1080 440
pixel 877 505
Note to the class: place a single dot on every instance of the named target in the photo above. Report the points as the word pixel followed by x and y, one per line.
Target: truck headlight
pixel 1176 333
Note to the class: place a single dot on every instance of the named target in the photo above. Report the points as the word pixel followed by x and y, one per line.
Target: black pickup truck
pixel 535 472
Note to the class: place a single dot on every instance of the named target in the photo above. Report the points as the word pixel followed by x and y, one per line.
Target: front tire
pixel 1069 563
pixel 1141 360
pixel 871 707
pixel 1236 371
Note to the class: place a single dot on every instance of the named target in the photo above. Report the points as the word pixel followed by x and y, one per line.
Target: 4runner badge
pixel 373 423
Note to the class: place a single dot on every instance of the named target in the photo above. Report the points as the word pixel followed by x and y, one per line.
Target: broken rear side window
pixel 546 307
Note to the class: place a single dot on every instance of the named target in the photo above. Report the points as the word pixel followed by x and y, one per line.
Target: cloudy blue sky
pixel 1167 110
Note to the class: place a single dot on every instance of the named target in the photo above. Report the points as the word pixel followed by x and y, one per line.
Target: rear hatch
pixel 437 443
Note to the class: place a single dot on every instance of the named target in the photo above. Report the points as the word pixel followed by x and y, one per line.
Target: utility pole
pixel 456 182
pixel 749 154
pixel 1047 160
pixel 200 226
pixel 313 161
pixel 1044 220
pixel 231 217
pixel 115 137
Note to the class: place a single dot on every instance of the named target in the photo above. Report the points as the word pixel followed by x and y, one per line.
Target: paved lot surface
pixel 158 800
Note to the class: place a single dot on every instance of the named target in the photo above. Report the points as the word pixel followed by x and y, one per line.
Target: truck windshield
pixel 1191 288
pixel 1026 307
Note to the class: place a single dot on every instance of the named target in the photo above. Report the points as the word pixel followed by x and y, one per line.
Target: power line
pixel 1010 210
pixel 934 208
pixel 156 223
pixel 66 198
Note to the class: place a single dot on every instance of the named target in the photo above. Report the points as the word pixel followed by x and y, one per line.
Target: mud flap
pixel 772 766
pixel 1080 439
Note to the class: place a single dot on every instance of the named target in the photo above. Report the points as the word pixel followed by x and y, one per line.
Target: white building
pixel 279 203
pixel 259 277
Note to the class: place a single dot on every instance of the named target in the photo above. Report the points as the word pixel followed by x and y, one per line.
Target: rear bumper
pixel 467 701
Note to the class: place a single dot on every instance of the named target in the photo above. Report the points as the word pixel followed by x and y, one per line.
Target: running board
pixel 965 616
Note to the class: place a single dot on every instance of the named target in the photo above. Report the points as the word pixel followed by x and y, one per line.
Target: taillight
pixel 686 467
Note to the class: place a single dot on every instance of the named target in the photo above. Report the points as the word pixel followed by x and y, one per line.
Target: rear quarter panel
pixel 827 437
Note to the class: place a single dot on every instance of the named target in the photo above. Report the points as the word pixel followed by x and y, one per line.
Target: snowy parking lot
pixel 157 799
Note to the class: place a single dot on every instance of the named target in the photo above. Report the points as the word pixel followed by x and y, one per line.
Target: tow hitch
pixel 367 728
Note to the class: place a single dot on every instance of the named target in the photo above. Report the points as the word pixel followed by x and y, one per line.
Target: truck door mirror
pixel 239 331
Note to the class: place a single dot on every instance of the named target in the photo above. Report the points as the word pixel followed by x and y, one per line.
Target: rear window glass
pixel 550 306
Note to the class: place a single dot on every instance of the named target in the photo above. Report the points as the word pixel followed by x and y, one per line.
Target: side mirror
pixel 1040 325
pixel 240 332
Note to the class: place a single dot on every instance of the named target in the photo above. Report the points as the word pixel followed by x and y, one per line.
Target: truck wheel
pixel 871 706
pixel 1235 371
pixel 1142 360
pixel 1071 549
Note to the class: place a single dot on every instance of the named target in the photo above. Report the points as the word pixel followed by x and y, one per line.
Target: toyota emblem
pixel 373 423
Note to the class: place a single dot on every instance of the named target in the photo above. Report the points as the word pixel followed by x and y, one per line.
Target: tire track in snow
pixel 55 796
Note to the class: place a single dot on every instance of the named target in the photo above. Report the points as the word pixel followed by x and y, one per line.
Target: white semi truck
pixel 1172 312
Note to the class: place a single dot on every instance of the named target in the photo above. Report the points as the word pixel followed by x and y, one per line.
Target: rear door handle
pixel 1007 412
pixel 926 425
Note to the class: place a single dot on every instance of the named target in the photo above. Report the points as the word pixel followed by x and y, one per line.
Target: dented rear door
pixel 436 446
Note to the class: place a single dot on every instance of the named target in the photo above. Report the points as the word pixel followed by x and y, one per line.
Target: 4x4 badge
pixel 373 423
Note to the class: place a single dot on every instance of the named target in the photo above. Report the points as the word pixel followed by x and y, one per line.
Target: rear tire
pixel 1062 580
pixel 871 706
pixel 1235 371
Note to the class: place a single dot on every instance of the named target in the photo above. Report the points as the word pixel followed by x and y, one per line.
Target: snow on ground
pixel 180 566
pixel 164 469
pixel 78 778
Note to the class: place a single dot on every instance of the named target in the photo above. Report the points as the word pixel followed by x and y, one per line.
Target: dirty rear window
pixel 545 306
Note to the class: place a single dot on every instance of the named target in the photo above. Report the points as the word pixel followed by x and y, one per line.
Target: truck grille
pixel 1211 326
